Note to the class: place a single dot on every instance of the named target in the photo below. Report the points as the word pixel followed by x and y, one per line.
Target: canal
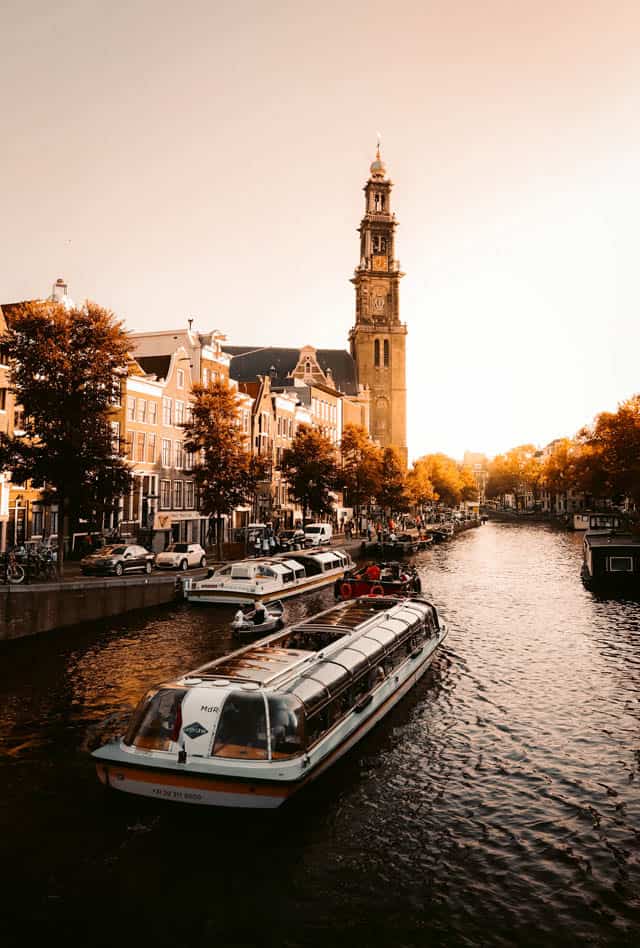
pixel 499 804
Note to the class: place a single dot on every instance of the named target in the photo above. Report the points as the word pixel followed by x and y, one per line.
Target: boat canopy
pixel 296 568
pixel 285 573
pixel 331 674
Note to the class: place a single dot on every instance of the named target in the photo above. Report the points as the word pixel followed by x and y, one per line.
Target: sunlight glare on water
pixel 499 803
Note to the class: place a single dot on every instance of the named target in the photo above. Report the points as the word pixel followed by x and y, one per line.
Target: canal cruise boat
pixel 254 727
pixel 268 578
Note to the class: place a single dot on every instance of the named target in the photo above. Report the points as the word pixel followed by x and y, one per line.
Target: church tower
pixel 378 338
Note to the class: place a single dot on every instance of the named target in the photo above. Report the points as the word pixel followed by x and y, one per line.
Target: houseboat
pixel 611 559
pixel 268 578
pixel 590 520
pixel 254 727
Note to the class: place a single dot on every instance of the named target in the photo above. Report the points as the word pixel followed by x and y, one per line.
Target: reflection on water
pixel 498 804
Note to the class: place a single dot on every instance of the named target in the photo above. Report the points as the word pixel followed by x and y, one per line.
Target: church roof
pixel 154 365
pixel 247 362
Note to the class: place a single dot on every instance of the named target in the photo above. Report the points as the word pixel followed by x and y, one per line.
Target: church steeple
pixel 378 336
pixel 378 298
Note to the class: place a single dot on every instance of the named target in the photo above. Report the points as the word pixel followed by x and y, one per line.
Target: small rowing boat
pixel 245 624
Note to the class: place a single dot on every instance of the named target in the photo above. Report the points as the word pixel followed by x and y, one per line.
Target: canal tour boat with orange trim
pixel 254 727
pixel 394 579
pixel 268 578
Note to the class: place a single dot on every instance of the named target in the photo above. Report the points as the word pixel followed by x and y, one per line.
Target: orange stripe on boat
pixel 188 782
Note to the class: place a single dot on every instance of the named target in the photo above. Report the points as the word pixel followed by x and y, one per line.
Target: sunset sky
pixel 206 159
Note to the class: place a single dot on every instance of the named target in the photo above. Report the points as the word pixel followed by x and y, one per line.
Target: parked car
pixel 181 556
pixel 318 533
pixel 118 560
pixel 292 540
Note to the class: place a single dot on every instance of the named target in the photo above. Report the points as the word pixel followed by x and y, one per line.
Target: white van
pixel 318 533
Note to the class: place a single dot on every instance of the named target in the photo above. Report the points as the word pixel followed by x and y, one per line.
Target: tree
pixel 612 447
pixel 361 466
pixel 392 493
pixel 66 370
pixel 468 483
pixel 558 468
pixel 516 472
pixel 419 484
pixel 451 482
pixel 309 467
pixel 225 471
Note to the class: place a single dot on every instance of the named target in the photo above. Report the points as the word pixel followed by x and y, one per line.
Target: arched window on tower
pixel 386 353
pixel 376 352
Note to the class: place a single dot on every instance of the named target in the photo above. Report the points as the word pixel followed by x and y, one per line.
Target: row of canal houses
pixel 277 391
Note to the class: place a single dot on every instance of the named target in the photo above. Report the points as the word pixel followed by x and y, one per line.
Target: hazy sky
pixel 207 158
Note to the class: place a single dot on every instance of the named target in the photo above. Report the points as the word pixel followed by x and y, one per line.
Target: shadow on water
pixel 498 804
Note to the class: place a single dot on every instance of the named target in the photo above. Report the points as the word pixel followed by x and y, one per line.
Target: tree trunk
pixel 219 536
pixel 62 533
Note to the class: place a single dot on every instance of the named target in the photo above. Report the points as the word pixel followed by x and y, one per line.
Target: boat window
pixel 396 625
pixel 286 718
pixel 373 650
pixel 312 693
pixel 334 676
pixel 621 564
pixel 242 730
pixel 385 637
pixel 240 571
pixel 157 720
pixel 312 566
pixel 353 660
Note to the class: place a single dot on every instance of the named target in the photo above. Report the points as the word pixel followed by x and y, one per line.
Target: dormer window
pixel 307 367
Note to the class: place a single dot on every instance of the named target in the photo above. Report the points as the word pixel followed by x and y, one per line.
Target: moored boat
pixel 268 578
pixel 611 560
pixel 254 727
pixel 379 579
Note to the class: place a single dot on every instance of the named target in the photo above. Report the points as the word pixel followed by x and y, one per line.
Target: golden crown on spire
pixel 378 169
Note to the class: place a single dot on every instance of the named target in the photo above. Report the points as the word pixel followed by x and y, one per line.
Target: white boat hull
pixel 238 597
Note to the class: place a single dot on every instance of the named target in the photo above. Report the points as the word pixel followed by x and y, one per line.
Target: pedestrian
pixel 373 573
pixel 368 532
pixel 257 545
pixel 259 613
pixel 266 547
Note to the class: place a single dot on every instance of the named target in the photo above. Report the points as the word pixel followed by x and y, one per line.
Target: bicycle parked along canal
pixel 12 571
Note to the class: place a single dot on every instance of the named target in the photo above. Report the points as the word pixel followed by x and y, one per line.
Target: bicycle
pixel 13 572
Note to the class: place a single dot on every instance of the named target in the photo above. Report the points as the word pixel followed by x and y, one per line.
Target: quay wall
pixel 30 610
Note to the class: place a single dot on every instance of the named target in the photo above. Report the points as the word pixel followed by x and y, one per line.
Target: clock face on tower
pixel 379 263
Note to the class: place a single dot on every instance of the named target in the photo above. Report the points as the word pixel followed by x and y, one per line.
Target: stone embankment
pixel 32 609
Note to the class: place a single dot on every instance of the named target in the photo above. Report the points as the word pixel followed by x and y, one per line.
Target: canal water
pixel 498 804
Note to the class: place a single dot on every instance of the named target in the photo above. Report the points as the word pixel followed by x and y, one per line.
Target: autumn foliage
pixel 66 370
